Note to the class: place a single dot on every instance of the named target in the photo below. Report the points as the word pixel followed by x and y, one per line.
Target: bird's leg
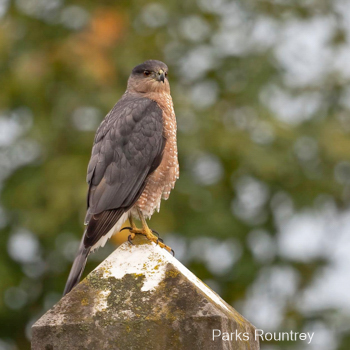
pixel 131 220
pixel 146 231
pixel 132 228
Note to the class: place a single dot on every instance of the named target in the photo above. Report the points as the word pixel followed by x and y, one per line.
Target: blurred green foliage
pixel 260 90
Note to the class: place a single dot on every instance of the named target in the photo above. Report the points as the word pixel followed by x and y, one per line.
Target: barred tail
pixel 77 268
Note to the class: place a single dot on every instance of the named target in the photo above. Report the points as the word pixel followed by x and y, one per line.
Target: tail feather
pixel 77 267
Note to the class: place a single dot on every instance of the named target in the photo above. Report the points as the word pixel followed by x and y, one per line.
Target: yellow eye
pixel 146 73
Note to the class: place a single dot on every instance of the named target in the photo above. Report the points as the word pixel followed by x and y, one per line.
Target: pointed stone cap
pixel 141 297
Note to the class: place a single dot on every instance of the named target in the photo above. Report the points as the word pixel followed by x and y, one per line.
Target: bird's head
pixel 149 76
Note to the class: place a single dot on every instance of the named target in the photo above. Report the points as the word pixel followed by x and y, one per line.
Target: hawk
pixel 133 163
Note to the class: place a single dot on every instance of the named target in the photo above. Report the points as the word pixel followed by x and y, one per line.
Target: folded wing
pixel 128 147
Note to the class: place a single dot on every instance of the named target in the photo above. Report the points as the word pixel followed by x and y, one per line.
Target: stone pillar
pixel 141 297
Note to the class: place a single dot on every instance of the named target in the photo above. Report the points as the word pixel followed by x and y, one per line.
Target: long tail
pixel 77 268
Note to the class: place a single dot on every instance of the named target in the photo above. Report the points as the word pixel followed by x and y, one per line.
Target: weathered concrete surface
pixel 140 297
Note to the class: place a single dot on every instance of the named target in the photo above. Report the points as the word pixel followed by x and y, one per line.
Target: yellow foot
pixel 150 236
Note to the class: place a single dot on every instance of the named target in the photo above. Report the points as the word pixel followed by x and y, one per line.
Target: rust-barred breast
pixel 162 180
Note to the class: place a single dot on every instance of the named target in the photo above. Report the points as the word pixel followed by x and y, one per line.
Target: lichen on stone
pixel 140 298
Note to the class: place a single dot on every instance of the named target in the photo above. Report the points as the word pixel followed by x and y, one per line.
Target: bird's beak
pixel 161 76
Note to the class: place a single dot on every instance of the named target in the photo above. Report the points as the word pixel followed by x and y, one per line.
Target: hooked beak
pixel 161 75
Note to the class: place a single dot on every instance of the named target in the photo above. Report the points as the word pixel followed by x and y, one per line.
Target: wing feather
pixel 128 147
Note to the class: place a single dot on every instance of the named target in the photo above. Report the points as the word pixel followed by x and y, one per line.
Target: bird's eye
pixel 166 74
pixel 146 73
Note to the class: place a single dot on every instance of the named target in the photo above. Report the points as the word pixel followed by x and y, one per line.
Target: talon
pixel 166 247
pixel 155 233
pixel 126 228
pixel 131 237
pixel 159 240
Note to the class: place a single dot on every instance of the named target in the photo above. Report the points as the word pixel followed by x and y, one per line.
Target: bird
pixel 133 164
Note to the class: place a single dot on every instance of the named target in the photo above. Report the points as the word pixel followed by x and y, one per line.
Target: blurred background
pixel 262 96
